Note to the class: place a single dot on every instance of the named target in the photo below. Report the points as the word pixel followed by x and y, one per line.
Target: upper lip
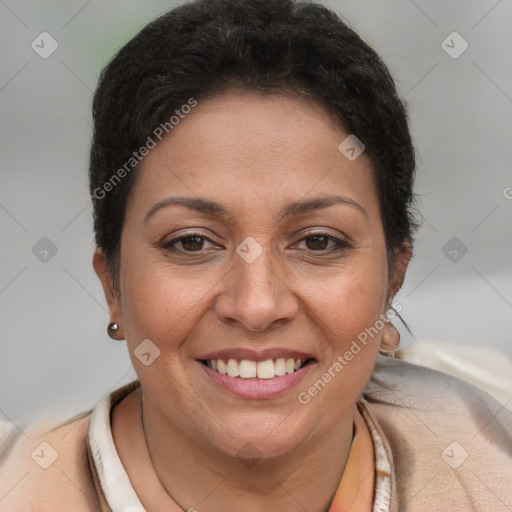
pixel 256 355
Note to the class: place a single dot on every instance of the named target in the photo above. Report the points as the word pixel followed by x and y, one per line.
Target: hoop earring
pixel 112 329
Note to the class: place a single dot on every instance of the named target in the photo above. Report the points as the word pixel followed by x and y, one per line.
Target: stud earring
pixel 112 330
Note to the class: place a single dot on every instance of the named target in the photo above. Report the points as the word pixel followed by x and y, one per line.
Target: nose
pixel 256 296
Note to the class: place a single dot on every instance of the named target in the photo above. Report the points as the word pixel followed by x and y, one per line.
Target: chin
pixel 257 436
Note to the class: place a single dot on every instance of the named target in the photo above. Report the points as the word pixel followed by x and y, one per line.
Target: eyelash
pixel 340 244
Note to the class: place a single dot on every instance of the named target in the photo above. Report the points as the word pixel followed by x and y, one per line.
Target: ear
pixel 402 257
pixel 99 263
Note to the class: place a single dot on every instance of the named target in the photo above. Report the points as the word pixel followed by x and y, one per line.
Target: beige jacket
pixel 450 444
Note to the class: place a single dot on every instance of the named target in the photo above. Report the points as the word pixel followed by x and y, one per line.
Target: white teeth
pixel 247 369
pixel 280 366
pixel 266 369
pixel 233 368
pixel 222 367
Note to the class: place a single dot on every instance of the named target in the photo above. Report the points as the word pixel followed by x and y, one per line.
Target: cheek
pixel 348 308
pixel 161 304
pixel 349 321
pixel 351 299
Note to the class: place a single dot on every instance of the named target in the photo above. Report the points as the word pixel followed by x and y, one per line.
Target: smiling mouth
pixel 247 369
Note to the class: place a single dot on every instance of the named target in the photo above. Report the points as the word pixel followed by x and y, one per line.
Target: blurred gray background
pixel 55 353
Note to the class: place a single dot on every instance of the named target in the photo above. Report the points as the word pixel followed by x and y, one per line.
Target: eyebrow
pixel 214 209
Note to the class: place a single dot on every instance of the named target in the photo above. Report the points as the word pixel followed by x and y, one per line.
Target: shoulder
pixel 487 367
pixel 44 466
pixel 420 388
pixel 451 441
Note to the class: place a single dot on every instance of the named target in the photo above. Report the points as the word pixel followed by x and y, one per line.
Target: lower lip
pixel 258 388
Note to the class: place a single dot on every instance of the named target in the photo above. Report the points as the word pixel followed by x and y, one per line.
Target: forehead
pixel 253 150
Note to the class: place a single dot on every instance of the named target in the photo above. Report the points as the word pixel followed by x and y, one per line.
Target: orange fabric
pixel 356 489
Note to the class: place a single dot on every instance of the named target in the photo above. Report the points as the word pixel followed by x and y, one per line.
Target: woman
pixel 251 173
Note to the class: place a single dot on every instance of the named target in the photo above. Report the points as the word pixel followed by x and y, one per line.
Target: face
pixel 261 273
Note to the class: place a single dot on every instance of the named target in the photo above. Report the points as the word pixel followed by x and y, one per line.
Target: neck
pixel 305 478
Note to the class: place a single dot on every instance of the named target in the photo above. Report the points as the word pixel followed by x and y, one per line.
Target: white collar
pixel 114 481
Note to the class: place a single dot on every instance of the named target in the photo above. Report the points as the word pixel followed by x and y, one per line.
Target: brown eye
pixel 319 242
pixel 190 243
